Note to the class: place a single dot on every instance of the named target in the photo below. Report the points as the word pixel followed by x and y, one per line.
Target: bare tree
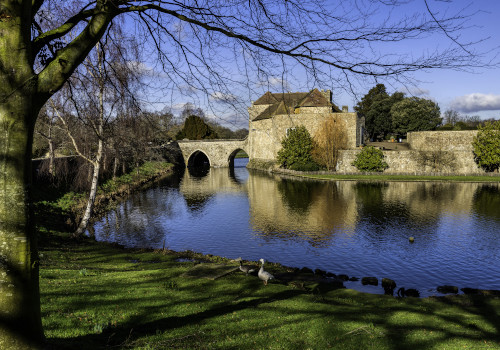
pixel 96 93
pixel 213 46
pixel 330 138
pixel 46 129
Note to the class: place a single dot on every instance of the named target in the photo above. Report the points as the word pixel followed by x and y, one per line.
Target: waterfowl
pixel 408 292
pixel 264 275
pixel 246 268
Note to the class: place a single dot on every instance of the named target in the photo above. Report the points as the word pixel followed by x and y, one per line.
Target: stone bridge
pixel 217 153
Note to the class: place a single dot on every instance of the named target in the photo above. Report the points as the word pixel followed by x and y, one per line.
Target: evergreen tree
pixel 376 106
pixel 196 129
pixel 415 114
pixel 296 150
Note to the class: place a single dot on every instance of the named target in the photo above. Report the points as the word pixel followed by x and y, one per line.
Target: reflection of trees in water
pixel 387 207
pixel 296 194
pixel 486 201
pixel 381 214
pixel 436 192
pixel 304 210
pixel 131 222
pixel 196 203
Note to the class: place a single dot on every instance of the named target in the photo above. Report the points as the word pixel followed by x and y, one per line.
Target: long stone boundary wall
pixel 410 162
pixel 441 140
pixel 431 152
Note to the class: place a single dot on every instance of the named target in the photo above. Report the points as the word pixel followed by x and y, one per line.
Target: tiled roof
pixel 284 103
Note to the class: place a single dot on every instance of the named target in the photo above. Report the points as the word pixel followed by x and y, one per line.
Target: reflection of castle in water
pixel 316 211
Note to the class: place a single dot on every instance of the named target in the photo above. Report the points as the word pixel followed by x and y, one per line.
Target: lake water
pixel 344 227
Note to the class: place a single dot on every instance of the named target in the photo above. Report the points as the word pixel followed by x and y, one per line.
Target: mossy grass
pixel 95 295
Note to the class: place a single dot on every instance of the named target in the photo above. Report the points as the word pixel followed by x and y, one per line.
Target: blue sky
pixel 473 92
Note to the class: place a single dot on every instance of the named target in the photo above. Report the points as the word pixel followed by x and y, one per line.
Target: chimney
pixel 327 94
pixel 345 109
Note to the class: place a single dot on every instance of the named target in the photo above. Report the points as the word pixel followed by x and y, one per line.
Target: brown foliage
pixel 330 138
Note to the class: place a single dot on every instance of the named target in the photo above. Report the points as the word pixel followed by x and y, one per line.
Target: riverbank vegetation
pixel 64 208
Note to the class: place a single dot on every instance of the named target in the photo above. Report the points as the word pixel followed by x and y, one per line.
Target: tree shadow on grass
pixel 358 321
pixel 339 319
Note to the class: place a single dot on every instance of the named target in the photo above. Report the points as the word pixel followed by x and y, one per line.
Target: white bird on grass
pixel 264 275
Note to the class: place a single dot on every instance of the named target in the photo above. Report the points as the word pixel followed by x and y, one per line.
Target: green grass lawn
pixel 96 295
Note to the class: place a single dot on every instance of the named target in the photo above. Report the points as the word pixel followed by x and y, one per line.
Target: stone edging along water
pixel 271 167
pixel 321 281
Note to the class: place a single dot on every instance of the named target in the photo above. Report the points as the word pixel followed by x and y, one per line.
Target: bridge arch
pixel 218 153
pixel 198 158
pixel 232 155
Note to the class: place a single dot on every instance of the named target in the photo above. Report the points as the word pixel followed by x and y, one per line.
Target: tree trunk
pixel 93 191
pixel 115 167
pixel 52 170
pixel 20 321
pixel 99 156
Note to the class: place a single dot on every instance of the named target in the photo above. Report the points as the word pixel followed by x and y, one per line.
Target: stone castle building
pixel 274 114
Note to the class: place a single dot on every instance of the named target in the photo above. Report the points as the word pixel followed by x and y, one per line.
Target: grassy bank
pixel 382 177
pixel 96 295
pixel 58 209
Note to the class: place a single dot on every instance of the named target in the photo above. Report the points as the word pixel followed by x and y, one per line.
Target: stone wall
pixel 265 135
pixel 441 140
pixel 452 149
pixel 410 162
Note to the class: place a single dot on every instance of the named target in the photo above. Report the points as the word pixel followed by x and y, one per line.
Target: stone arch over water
pixel 198 159
pixel 232 155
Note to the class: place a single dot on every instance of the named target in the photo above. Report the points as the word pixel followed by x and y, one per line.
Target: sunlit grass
pixel 96 295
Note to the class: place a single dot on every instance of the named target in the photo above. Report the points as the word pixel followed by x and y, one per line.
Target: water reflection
pixel 357 228
pixel 487 201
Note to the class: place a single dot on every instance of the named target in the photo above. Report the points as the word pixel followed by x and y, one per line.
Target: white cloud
pixel 275 82
pixel 223 97
pixel 140 67
pixel 415 91
pixel 476 102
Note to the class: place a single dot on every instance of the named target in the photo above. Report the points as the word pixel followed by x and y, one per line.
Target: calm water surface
pixel 354 228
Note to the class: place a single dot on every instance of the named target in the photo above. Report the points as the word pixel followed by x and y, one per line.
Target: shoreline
pixel 270 167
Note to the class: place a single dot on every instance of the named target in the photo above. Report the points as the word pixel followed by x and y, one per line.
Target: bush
pixel 309 166
pixel 296 149
pixel 370 159
pixel 487 146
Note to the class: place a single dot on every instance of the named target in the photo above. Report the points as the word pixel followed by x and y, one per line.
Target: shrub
pixel 487 146
pixel 296 149
pixel 370 159
pixel 309 166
